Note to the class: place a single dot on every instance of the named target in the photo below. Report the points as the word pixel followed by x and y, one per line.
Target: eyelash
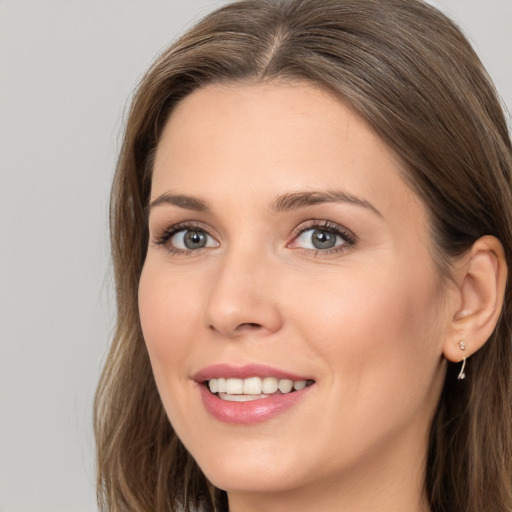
pixel 348 237
pixel 165 236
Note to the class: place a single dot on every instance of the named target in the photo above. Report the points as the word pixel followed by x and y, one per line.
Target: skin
pixel 368 321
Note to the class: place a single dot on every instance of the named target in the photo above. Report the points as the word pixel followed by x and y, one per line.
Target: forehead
pixel 262 140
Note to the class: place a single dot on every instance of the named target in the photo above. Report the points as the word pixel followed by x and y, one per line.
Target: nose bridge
pixel 242 297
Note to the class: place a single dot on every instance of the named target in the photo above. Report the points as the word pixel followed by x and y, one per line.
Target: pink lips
pixel 243 372
pixel 255 411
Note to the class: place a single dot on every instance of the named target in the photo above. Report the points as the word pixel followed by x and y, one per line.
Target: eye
pixel 319 239
pixel 183 239
pixel 328 238
pixel 191 239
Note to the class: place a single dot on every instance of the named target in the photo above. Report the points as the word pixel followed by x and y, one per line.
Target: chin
pixel 244 468
pixel 251 480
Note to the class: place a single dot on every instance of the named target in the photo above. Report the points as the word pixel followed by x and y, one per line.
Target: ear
pixel 480 291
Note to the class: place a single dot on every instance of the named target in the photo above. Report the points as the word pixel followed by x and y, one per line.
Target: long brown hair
pixel 407 70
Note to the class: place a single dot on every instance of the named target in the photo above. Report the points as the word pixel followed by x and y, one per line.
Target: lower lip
pixel 247 413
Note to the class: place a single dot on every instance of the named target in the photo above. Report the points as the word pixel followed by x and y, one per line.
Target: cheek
pixel 373 328
pixel 168 320
pixel 373 337
pixel 168 315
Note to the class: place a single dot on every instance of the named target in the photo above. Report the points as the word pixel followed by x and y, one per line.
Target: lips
pixel 243 372
pixel 251 393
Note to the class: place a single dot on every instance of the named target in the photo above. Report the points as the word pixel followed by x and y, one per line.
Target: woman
pixel 311 228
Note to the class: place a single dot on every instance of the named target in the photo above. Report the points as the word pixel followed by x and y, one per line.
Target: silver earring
pixel 462 375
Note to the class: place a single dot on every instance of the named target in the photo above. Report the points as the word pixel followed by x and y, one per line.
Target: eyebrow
pixel 293 201
pixel 284 202
pixel 180 200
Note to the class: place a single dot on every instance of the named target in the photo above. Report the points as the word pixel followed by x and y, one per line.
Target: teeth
pixel 221 385
pixel 252 388
pixel 270 385
pixel 241 398
pixel 213 384
pixel 299 384
pixel 234 386
pixel 285 385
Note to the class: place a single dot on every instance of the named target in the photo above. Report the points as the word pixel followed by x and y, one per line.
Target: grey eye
pixel 192 239
pixel 323 239
pixel 316 238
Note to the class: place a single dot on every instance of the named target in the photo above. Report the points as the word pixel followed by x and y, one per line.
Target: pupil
pixel 323 239
pixel 194 239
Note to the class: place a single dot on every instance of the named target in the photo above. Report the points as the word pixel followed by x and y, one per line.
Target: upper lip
pixel 226 370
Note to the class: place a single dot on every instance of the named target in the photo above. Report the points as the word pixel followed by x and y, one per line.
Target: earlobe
pixel 481 288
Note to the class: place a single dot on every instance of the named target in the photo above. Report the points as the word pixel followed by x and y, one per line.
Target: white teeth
pixel 253 388
pixel 269 385
pixel 234 386
pixel 285 385
pixel 221 385
pixel 299 384
pixel 241 398
pixel 213 384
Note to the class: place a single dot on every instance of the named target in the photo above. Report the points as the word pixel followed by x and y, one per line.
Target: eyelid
pixel 327 225
pixel 324 225
pixel 163 236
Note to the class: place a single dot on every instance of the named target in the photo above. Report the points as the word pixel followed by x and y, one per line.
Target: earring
pixel 462 375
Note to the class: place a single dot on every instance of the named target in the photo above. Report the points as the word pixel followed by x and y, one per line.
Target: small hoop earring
pixel 462 375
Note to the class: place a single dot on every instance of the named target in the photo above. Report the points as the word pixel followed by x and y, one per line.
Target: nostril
pixel 241 327
pixel 250 325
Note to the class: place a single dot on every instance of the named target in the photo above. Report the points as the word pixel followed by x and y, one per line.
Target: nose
pixel 242 299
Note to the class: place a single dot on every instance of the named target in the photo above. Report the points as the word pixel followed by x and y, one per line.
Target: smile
pixel 250 393
pixel 254 388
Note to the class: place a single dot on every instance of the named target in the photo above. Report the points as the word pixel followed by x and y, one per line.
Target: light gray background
pixel 67 69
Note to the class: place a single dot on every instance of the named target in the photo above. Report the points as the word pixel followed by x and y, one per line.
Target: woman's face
pixel 285 250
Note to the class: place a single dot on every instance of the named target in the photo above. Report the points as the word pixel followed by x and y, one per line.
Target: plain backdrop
pixel 67 71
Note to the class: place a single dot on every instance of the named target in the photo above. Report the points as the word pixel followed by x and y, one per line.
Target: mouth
pixel 253 388
pixel 251 393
